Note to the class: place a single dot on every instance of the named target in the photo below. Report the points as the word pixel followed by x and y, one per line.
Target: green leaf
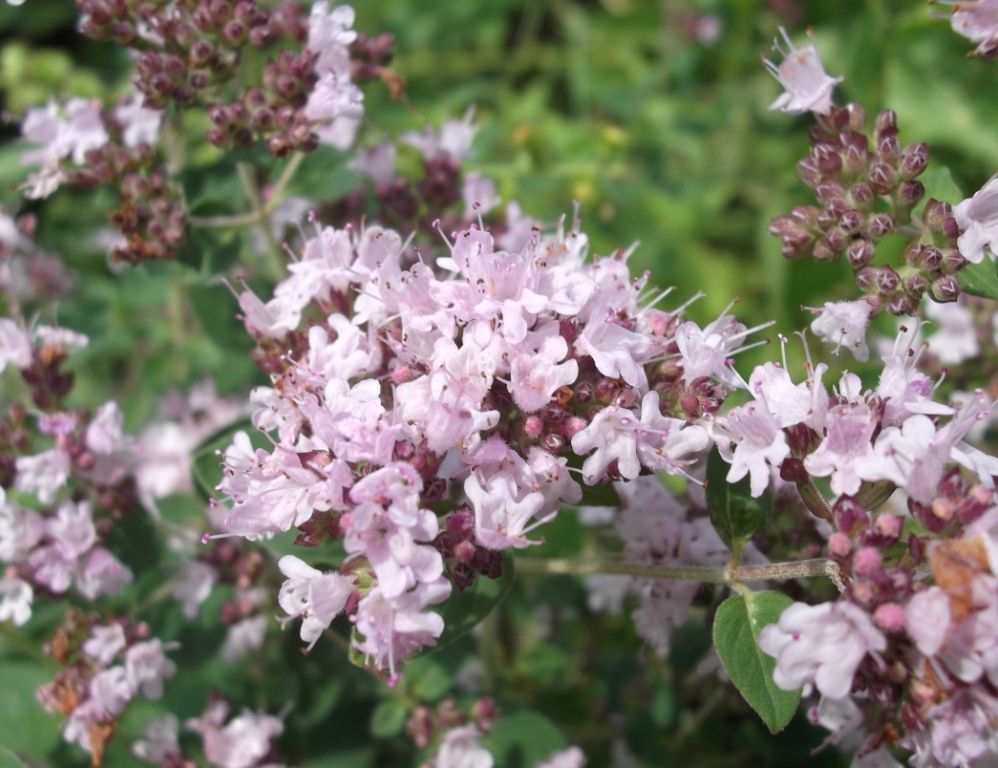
pixel 939 185
pixel 735 514
pixel 25 728
pixel 9 760
pixel 523 738
pixel 737 625
pixel 388 718
pixel 980 279
pixel 464 610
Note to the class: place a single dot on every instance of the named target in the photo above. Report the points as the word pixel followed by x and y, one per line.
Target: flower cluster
pixel 480 379
pixel 867 193
pixel 104 667
pixel 243 741
pixel 81 144
pixel 192 52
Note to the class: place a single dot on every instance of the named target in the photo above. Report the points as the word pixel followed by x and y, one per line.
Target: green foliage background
pixel 659 138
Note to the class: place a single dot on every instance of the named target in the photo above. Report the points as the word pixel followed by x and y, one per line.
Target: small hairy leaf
pixel 737 625
pixel 734 513
pixel 980 279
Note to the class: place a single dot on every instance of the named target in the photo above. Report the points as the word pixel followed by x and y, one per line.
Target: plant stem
pixel 772 571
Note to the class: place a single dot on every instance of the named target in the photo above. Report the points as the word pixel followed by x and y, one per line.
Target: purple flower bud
pixel 882 178
pixel 854 161
pixel 279 146
pixel 860 253
pixel 796 244
pixel 829 190
pixel 262 120
pixel 175 69
pixel 219 115
pixel 792 471
pixel 914 285
pixel 837 240
pixel 885 125
pixel 945 289
pixel 217 136
pixel 889 151
pixel 826 159
pixel 888 280
pixel 862 196
pixel 201 53
pixel 851 221
pixel 901 305
pixel 809 173
pixel 234 32
pixel 953 261
pixel 260 36
pixel 928 257
pixel 880 225
pixel 914 160
pixel 935 214
pixel 909 193
pixel 238 113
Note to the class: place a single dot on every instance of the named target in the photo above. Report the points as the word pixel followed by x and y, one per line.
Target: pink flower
pixel 844 324
pixel 977 218
pixel 15 600
pixel 808 87
pixel 147 667
pixel 977 20
pixel 160 741
pixel 821 644
pixel 240 743
pixel 315 596
pixel 460 749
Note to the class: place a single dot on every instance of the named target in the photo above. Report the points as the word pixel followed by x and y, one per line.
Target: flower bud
pixel 854 161
pixel 234 32
pixel 866 279
pixel 914 160
pixel 882 178
pixel 880 225
pixel 829 190
pixel 796 244
pixel 889 151
pixel 826 159
pixel 945 289
pixel 909 193
pixel 887 279
pixel 928 257
pixel 862 196
pixel 901 304
pixel 885 125
pixel 851 221
pixel 860 253
pixel 201 53
pixel 953 261
pixel 914 285
pixel 792 471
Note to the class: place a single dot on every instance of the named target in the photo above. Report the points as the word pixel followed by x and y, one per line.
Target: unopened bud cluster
pixel 195 52
pixel 868 190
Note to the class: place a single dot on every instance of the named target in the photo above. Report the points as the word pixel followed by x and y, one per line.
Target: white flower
pixel 977 218
pixel 808 87
pixel 844 325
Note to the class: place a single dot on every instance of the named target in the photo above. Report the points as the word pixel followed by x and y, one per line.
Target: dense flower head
pixel 474 375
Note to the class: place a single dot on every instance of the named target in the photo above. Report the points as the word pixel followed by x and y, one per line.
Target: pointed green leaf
pixel 464 610
pixel 980 279
pixel 737 625
pixel 388 718
pixel 735 514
